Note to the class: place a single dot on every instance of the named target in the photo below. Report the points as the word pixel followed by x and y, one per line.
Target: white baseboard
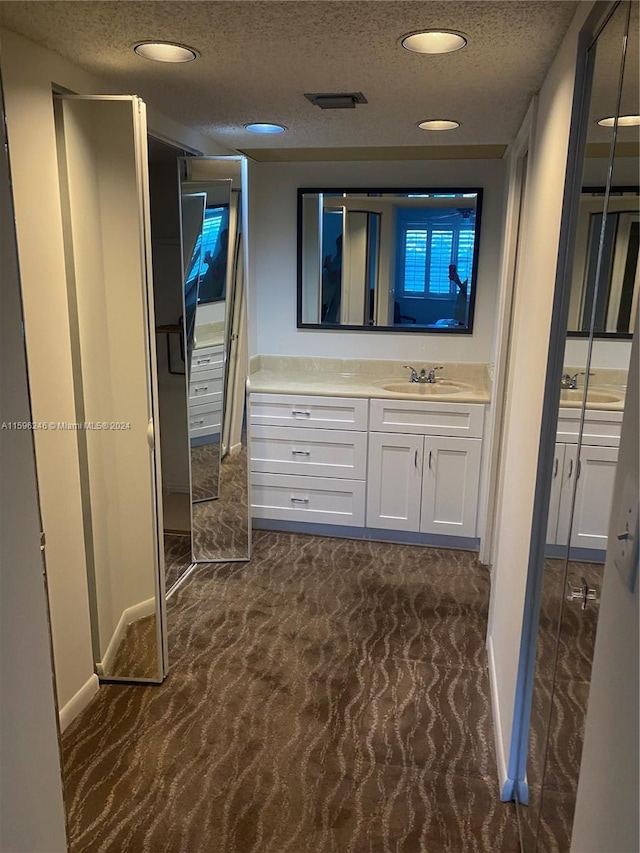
pixel 501 759
pixel 78 702
pixel 235 448
pixel 130 615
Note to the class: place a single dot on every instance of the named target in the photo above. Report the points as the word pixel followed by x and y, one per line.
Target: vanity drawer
pixel 420 418
pixel 307 411
pixel 204 420
pixel 206 387
pixel 311 499
pixel 206 358
pixel 600 428
pixel 314 452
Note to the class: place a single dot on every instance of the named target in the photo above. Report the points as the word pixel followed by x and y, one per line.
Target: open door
pixel 104 188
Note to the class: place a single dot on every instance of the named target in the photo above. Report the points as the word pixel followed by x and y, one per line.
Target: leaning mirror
pixel 214 248
pixel 388 260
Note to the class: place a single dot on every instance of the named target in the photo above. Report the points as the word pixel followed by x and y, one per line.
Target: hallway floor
pixel 330 696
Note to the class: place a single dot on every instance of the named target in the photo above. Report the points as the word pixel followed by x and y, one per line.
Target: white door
pixel 104 187
pixel 594 495
pixel 554 497
pixel 450 485
pixel 395 476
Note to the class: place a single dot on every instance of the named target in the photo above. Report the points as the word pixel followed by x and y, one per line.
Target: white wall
pixel 273 254
pixel 29 72
pixel 31 806
pixel 606 816
pixel 530 340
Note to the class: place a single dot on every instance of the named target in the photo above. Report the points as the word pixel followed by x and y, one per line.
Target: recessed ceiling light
pixel 165 51
pixel 265 127
pixel 439 124
pixel 433 41
pixel 623 121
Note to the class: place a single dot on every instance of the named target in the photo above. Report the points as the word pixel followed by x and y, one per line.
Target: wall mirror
pixel 616 302
pixel 214 245
pixel 388 260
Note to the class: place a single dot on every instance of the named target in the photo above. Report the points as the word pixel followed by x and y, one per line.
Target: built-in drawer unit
pixel 418 417
pixel 306 411
pixel 315 452
pixel 319 500
pixel 206 391
pixel 600 428
pixel 309 458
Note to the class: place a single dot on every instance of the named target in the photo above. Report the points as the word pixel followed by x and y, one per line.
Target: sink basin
pixel 576 396
pixel 427 389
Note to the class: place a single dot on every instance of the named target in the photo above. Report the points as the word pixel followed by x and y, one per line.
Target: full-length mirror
pixel 590 386
pixel 388 259
pixel 214 246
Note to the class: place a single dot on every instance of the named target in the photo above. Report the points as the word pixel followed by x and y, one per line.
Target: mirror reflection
pixel 388 259
pixel 216 348
pixel 614 304
pixel 205 224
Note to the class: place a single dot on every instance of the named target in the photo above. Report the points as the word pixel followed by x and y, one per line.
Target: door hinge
pixel 43 540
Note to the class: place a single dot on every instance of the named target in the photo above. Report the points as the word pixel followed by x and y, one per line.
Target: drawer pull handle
pixel 203 361
pixel 430 455
pixel 301 452
pixel 299 500
pixel 555 469
pixel 197 423
pixel 199 390
pixel 570 469
pixel 302 413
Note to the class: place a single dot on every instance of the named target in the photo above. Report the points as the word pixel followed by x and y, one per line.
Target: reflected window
pixel 209 260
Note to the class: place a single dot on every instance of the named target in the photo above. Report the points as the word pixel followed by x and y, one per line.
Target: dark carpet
pixel 330 696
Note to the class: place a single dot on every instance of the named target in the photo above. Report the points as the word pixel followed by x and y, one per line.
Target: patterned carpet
pixel 330 696
pixel 221 527
pixel 554 762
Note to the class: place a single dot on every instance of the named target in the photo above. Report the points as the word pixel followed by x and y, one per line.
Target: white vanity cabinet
pixel 205 391
pixel 595 473
pixel 424 466
pixel 308 458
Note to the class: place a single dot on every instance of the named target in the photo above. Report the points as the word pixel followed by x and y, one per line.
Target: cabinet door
pixel 395 475
pixel 556 490
pixel 450 485
pixel 594 495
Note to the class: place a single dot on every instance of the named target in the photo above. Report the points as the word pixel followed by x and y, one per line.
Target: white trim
pixel 501 759
pixel 78 702
pixel 130 615
pixel 515 230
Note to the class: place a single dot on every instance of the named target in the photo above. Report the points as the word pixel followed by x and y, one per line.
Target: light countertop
pixel 209 335
pixel 334 377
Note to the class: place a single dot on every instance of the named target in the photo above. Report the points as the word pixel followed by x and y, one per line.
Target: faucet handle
pixel 414 372
pixel 432 373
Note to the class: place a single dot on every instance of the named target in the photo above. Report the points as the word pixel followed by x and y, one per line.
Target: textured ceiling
pixel 258 58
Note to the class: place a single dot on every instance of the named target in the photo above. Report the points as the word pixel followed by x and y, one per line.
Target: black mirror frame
pixel 337 327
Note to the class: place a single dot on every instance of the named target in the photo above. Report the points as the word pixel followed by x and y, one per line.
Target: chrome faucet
pixel 570 382
pixel 422 377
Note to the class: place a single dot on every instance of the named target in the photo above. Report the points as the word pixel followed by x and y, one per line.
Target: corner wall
pixel 31 807
pixel 526 382
pixel 273 253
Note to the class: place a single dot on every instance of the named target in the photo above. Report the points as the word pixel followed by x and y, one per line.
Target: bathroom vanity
pixel 356 444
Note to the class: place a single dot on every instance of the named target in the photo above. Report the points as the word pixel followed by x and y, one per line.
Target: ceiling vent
pixel 336 100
